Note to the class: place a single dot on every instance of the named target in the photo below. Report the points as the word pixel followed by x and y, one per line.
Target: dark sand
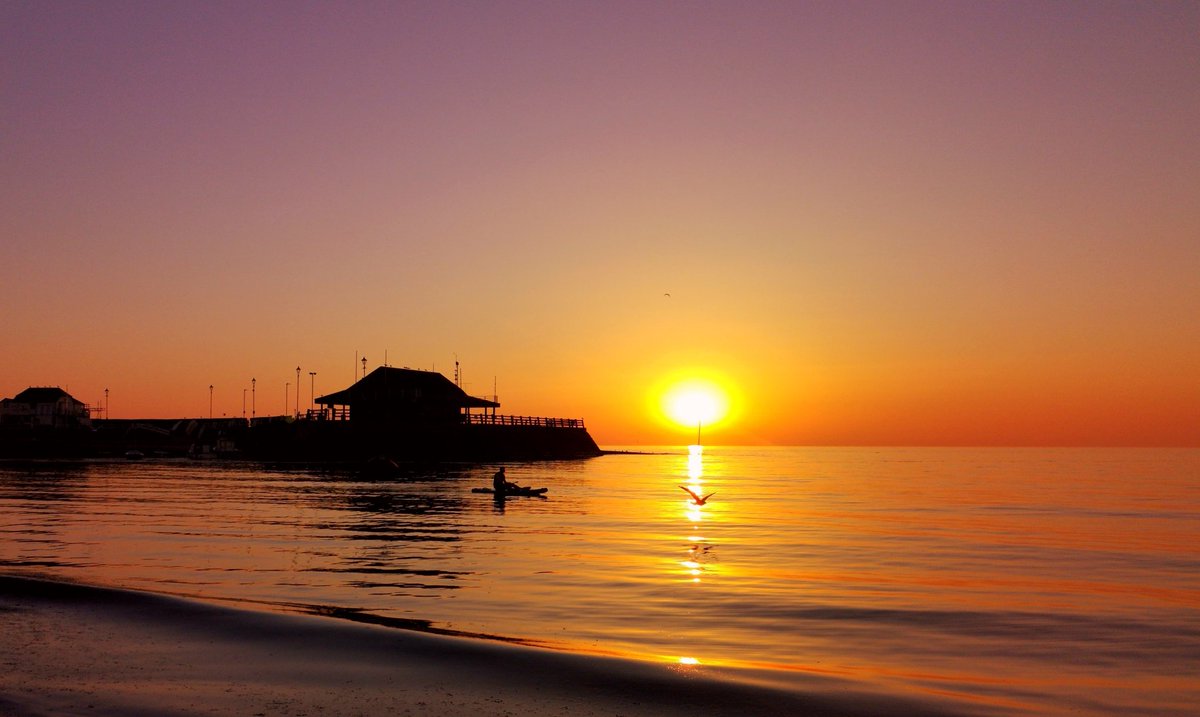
pixel 76 650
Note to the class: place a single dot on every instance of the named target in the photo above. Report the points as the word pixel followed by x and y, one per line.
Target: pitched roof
pixel 386 382
pixel 42 394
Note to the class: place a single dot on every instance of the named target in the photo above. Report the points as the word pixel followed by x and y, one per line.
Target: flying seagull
pixel 695 498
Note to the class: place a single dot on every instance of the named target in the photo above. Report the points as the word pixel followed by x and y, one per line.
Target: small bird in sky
pixel 667 295
pixel 695 498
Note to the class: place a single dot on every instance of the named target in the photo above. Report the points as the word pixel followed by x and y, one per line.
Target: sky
pixel 872 223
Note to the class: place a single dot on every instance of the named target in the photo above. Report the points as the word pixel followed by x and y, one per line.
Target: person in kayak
pixel 500 485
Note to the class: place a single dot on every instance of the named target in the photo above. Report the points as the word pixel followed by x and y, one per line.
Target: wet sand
pixel 68 649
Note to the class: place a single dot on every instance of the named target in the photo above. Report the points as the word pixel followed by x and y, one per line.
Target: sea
pixel 984 580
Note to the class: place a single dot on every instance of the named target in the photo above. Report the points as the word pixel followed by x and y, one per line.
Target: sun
pixel 695 398
pixel 695 402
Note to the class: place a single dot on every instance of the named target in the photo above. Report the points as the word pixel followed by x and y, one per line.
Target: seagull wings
pixel 695 498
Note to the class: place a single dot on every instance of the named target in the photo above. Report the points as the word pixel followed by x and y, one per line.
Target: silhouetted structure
pixel 44 422
pixel 394 414
pixel 408 414
pixel 401 395
pixel 44 407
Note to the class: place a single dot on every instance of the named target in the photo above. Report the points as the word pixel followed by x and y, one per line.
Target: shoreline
pixel 69 648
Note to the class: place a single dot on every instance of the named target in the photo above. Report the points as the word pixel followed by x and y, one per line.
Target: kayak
pixel 529 492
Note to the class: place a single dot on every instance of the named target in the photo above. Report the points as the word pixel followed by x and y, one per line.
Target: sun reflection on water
pixel 696 562
pixel 695 463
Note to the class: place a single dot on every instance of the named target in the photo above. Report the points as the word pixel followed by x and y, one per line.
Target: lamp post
pixel 252 398
pixel 364 362
pixel 106 413
pixel 244 390
pixel 297 392
pixel 210 388
pixel 312 391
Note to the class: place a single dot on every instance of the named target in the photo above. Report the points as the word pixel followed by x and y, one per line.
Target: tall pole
pixel 297 392
pixel 210 400
pixel 364 363
pixel 253 398
pixel 697 432
pixel 244 390
pixel 106 413
pixel 312 388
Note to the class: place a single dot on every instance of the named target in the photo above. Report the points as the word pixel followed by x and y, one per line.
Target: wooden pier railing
pixel 335 413
pixel 342 413
pixel 488 419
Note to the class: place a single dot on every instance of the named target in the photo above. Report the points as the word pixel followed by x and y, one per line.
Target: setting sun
pixel 695 402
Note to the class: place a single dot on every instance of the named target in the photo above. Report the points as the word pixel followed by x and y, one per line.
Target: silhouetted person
pixel 500 485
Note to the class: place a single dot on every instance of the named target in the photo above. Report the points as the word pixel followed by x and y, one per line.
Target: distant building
pixel 44 407
pixel 401 395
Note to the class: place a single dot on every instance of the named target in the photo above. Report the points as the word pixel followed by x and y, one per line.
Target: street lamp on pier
pixel 297 392
pixel 210 389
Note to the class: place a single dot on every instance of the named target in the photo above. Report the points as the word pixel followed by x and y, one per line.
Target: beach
pixel 69 649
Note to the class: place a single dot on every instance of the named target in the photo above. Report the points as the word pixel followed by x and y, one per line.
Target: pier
pixel 398 413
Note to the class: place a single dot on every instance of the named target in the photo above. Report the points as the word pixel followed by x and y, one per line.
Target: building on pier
pixel 42 407
pixel 401 395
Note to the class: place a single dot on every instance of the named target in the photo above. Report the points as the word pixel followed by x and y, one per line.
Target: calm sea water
pixel 1061 581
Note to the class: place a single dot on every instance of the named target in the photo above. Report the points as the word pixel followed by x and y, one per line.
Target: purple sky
pixel 867 214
